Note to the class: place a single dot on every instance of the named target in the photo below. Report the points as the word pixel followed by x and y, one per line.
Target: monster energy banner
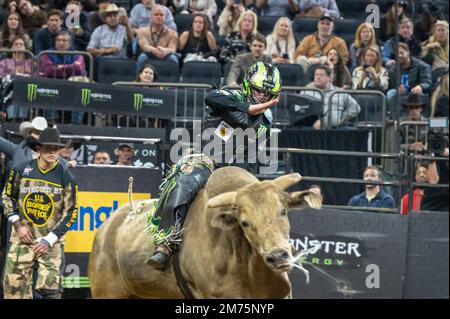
pixel 353 254
pixel 92 97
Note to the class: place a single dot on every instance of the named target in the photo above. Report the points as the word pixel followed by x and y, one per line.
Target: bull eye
pixel 245 224
pixel 283 213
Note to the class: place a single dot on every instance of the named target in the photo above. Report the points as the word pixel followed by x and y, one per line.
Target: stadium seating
pixel 266 24
pixel 168 71
pixel 202 72
pixel 112 70
pixel 292 74
pixel 183 21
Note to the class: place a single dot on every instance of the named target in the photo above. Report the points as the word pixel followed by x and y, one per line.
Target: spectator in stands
pixel 439 99
pixel 374 196
pixel 387 21
pixel 239 40
pixel 95 19
pixel 141 13
pixel 33 17
pixel 62 66
pixel 435 49
pixel 413 138
pixel 281 42
pixel 111 38
pixel 198 43
pixel 317 8
pixel 147 74
pixel 157 41
pixel 406 35
pixel 432 12
pixel 344 109
pixel 19 64
pixel 340 74
pixel 280 8
pixel 125 154
pixel 364 37
pixel 436 199
pixel 244 61
pixel 206 7
pixel 313 48
pixel 418 74
pixel 370 75
pixel 44 38
pixel 101 157
pixel 229 17
pixel 12 27
pixel 420 177
pixel 77 22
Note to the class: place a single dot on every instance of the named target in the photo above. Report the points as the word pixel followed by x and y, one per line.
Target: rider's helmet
pixel 262 77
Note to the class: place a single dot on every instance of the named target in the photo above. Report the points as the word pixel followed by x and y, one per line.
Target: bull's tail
pixel 130 193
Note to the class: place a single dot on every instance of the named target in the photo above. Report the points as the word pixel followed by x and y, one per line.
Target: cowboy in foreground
pixel 40 200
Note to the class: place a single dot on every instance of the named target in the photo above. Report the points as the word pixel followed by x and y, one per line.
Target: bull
pixel 235 243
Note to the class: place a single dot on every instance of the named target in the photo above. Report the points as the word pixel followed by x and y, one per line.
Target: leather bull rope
pixel 181 282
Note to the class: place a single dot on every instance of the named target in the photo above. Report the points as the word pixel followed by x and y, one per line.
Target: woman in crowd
pixel 198 43
pixel 12 27
pixel 435 49
pixel 281 42
pixel 19 64
pixel 230 15
pixel 439 99
pixel 387 21
pixel 239 40
pixel 365 36
pixel 341 75
pixel 371 75
pixel 147 74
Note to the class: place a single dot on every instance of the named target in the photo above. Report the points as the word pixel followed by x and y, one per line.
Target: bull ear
pixel 286 181
pixel 225 220
pixel 304 199
pixel 225 199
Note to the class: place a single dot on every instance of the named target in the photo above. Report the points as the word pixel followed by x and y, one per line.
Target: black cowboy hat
pixel 414 100
pixel 433 9
pixel 403 3
pixel 49 136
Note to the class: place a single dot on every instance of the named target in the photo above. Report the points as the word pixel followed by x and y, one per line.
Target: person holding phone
pixel 371 75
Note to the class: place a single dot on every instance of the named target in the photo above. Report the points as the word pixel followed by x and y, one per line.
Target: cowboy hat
pixel 112 8
pixel 403 3
pixel 49 136
pixel 433 9
pixel 38 123
pixel 413 100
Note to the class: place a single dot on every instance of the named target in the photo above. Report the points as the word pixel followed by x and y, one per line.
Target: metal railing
pixel 8 54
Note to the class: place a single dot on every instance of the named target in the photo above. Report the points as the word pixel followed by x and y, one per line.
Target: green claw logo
pixel 138 99
pixel 31 92
pixel 85 96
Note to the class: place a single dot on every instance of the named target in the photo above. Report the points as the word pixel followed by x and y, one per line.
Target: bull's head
pixel 261 210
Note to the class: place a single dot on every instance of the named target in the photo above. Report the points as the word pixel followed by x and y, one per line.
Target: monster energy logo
pixel 138 100
pixel 31 92
pixel 85 96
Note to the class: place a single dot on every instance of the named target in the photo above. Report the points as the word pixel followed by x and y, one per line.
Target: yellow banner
pixel 95 208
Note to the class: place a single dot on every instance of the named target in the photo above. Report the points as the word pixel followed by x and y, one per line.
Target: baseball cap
pixel 328 16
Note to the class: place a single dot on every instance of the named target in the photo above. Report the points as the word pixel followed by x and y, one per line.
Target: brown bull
pixel 235 243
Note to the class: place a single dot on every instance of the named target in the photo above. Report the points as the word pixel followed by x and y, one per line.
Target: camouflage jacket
pixel 44 200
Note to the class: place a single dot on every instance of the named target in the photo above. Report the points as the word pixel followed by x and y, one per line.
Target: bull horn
pixel 286 181
pixel 224 199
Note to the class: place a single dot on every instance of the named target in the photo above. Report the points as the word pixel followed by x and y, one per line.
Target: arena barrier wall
pixel 371 255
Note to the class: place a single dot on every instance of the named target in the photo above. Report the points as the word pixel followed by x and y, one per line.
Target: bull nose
pixel 277 257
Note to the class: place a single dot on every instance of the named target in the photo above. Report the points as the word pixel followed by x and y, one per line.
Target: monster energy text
pixel 33 90
pixel 87 95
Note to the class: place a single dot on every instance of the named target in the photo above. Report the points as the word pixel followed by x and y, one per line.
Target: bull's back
pixel 103 269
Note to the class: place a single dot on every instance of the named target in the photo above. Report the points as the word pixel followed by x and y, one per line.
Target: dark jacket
pixel 419 73
pixel 388 53
pixel 43 40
